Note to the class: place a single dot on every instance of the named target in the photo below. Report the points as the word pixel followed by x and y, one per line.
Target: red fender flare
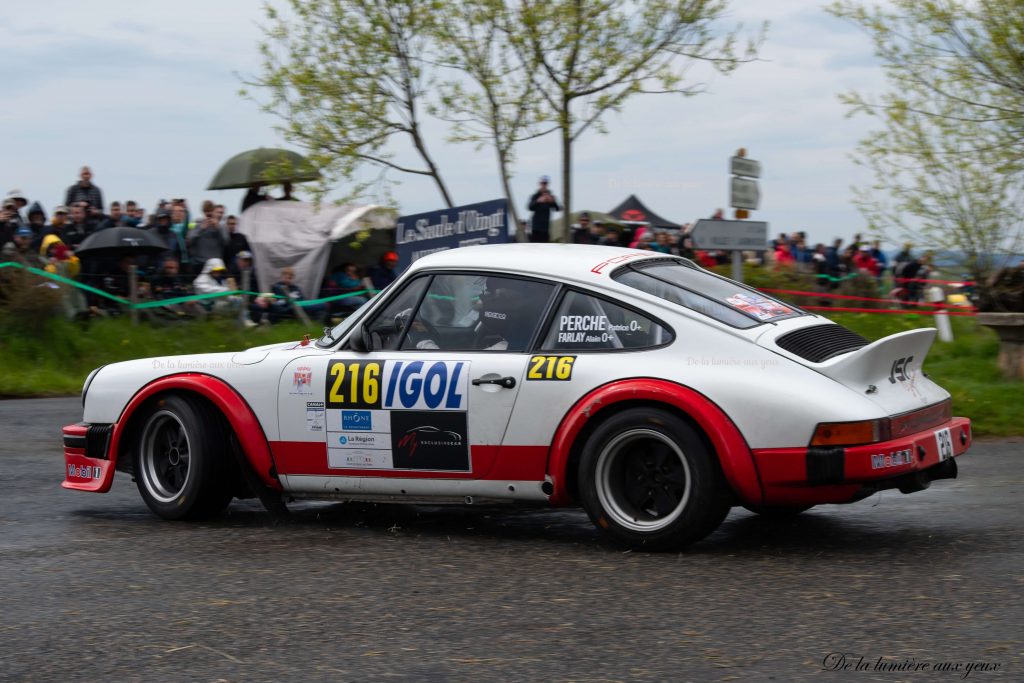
pixel 734 454
pixel 238 413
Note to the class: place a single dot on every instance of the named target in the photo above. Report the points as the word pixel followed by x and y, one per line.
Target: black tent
pixel 633 211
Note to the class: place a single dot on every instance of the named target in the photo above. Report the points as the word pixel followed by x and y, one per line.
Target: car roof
pixel 579 262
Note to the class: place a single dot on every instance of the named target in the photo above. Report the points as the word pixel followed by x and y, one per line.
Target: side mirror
pixel 360 340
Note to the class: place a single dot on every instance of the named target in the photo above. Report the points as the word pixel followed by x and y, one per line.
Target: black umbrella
pixel 121 242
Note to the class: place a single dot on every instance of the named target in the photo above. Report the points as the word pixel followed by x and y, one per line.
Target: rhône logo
pixel 356 420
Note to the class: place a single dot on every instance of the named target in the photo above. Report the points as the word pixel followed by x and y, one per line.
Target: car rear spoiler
pixel 890 359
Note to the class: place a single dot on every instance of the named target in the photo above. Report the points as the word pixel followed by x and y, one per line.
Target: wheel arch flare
pixel 721 433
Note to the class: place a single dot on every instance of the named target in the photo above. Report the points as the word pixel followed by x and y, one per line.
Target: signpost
pixel 739 235
pixel 744 193
pixel 748 168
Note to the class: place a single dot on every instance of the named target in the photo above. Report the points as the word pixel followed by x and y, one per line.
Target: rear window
pixel 706 293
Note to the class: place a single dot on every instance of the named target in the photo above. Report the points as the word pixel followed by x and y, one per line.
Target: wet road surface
pixel 95 588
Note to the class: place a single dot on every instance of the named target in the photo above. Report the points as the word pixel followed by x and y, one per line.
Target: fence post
pixel 938 295
pixel 133 292
pixel 244 313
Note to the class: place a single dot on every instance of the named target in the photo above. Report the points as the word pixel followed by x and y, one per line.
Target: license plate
pixel 945 443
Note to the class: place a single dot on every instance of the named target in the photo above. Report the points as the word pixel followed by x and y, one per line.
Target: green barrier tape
pixel 194 297
pixel 177 300
pixel 336 297
pixel 66 281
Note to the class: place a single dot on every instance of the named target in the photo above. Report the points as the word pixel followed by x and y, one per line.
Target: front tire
pixel 648 480
pixel 181 460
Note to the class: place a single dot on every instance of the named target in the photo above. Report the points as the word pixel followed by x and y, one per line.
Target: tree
pixel 488 97
pixel 348 80
pixel 948 160
pixel 595 55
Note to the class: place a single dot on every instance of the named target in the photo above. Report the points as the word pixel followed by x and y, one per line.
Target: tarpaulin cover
pixel 297 234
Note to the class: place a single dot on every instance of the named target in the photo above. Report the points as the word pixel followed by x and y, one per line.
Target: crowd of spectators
pixel 204 254
pixel 829 264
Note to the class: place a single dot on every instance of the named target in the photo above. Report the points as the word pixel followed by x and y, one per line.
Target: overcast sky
pixel 147 94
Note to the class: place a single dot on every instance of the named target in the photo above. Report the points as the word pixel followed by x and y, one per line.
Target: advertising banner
pixel 461 226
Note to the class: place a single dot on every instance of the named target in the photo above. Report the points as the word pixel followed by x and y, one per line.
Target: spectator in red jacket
pixel 864 262
pixel 783 257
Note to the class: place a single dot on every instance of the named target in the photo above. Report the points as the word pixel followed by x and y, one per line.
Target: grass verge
pixel 56 361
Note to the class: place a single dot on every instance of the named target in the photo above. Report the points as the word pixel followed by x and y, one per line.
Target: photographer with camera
pixel 542 203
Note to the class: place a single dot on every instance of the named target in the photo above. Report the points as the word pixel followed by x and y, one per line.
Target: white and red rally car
pixel 650 391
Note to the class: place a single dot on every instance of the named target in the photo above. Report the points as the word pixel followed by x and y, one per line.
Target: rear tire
pixel 648 480
pixel 182 459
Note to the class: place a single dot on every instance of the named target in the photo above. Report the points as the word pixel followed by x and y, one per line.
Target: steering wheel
pixel 428 332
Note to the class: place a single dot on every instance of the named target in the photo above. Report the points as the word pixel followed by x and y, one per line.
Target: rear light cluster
pixel 881 429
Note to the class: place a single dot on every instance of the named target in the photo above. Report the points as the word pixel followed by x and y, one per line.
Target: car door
pixel 433 396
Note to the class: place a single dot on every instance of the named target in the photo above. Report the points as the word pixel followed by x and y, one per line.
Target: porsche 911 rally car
pixel 650 391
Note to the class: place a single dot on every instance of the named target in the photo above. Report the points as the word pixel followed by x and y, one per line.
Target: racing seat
pixel 503 319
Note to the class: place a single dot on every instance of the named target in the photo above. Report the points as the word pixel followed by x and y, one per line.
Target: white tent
pixel 297 234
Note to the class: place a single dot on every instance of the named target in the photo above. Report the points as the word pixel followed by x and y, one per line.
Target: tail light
pixel 883 428
pixel 851 433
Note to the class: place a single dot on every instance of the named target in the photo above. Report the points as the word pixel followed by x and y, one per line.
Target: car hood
pixel 258 354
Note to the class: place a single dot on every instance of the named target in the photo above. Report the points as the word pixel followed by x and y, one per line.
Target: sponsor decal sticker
pixel 425 385
pixel 85 471
pixel 428 440
pixel 302 381
pixel 359 440
pixel 361 420
pixel 894 459
pixel 758 306
pixel 360 459
pixel 551 368
pixel 900 371
pixel 315 416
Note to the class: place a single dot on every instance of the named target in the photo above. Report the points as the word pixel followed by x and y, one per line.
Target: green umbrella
pixel 265 166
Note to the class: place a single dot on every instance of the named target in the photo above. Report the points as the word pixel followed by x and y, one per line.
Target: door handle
pixel 506 382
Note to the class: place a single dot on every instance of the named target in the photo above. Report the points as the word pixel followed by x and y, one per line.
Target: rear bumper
pixel 811 476
pixel 88 460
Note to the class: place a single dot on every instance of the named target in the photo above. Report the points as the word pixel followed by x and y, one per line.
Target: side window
pixel 478 313
pixel 387 327
pixel 587 323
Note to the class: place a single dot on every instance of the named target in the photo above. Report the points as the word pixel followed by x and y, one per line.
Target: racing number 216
pixel 557 368
pixel 353 385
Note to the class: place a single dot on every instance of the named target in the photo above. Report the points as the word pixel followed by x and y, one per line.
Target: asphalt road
pixel 96 588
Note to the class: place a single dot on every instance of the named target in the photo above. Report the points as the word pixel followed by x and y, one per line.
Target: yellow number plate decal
pixel 551 368
pixel 353 384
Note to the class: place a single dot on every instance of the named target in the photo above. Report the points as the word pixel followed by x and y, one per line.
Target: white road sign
pixel 745 167
pixel 730 235
pixel 744 193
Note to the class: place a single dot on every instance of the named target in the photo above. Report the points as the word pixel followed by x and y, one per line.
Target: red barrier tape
pixel 841 309
pixel 825 295
pixel 941 282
